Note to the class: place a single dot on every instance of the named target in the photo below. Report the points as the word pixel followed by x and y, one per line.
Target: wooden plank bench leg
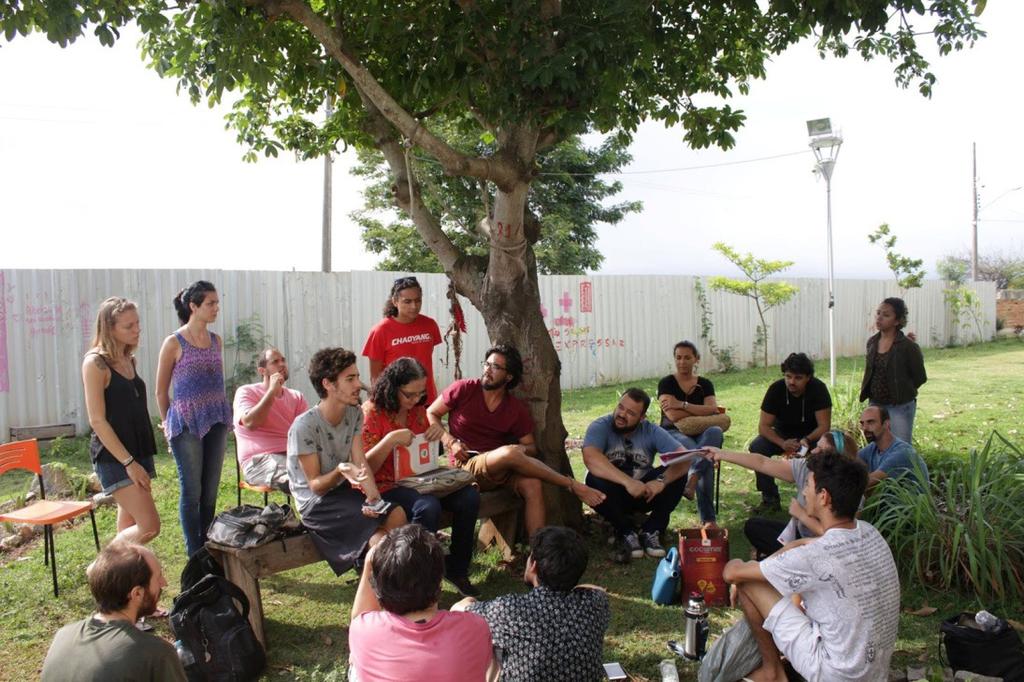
pixel 236 572
pixel 501 530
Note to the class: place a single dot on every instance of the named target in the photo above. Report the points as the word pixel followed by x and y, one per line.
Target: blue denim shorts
pixel 113 475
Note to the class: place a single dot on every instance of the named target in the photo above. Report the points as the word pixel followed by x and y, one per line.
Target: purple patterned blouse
pixel 199 400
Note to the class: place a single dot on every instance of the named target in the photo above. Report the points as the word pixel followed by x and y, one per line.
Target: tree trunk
pixel 509 301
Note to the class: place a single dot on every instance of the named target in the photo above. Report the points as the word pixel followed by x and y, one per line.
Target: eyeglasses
pixel 411 395
pixel 491 365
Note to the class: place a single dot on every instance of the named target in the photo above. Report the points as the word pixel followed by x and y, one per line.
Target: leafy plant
pixel 765 295
pixel 724 357
pixel 967 531
pixel 908 271
pixel 965 305
pixel 246 343
pixel 847 405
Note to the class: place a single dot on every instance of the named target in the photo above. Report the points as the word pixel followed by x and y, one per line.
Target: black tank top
pixel 128 415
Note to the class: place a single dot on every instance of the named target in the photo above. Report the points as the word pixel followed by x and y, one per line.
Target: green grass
pixel 971 391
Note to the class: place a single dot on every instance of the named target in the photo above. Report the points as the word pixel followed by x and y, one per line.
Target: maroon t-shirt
pixel 470 421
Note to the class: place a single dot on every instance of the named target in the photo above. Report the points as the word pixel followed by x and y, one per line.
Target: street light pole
pixel 825 144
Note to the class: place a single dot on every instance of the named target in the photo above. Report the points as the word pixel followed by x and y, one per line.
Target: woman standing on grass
pixel 394 415
pixel 404 332
pixel 894 369
pixel 197 419
pixel 122 445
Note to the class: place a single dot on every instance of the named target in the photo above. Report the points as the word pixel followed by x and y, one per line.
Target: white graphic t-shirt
pixel 851 593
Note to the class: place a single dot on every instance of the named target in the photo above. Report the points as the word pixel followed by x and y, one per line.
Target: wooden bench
pixel 499 511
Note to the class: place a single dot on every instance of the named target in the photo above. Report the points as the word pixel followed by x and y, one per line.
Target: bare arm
pixel 170 351
pixel 365 599
pixel 376 367
pixel 676 409
pixel 320 483
pixel 824 419
pixel 359 461
pixel 776 468
pixel 798 512
pixel 376 455
pixel 874 478
pixel 253 416
pixel 599 465
pixel 529 445
pixel 737 572
pixel 435 413
pixel 765 430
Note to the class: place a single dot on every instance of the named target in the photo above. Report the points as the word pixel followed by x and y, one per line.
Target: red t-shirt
pixel 470 421
pixel 376 425
pixel 390 339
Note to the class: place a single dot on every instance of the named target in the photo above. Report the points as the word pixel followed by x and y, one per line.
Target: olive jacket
pixel 905 369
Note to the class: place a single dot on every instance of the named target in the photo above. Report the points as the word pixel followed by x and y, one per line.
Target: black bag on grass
pixel 997 654
pixel 199 565
pixel 214 634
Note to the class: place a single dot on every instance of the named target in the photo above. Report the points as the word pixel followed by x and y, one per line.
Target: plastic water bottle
pixel 184 654
pixel 669 673
pixel 986 621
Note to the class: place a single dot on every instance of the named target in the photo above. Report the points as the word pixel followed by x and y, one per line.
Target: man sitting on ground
pixel 795 412
pixel 263 414
pixel 829 604
pixel 490 433
pixel 125 580
pixel 397 630
pixel 556 630
pixel 619 451
pixel 885 455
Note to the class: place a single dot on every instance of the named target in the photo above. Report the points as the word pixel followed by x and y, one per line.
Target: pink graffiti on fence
pixel 5 383
pixel 586 297
pixel 85 320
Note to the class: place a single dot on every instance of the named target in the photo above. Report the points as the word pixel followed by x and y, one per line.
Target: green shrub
pixel 967 533
pixel 847 405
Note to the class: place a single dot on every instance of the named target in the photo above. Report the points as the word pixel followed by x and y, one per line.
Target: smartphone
pixel 380 507
pixel 614 671
pixel 471 453
pixel 802 452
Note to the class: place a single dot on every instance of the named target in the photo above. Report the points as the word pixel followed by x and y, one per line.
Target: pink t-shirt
pixel 470 421
pixel 272 435
pixel 390 339
pixel 386 647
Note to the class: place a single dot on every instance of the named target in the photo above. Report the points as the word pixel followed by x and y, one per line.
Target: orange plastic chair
pixel 24 454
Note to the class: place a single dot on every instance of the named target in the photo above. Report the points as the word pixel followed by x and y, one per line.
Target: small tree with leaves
pixel 765 295
pixel 909 272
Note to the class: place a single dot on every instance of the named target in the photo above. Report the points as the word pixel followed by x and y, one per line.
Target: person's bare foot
pixel 691 487
pixel 588 495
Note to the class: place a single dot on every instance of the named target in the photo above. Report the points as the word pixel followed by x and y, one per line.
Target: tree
pixel 567 198
pixel 908 271
pixel 531 74
pixel 1005 269
pixel 765 295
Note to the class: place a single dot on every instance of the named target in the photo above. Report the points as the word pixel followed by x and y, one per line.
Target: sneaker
pixel 462 584
pixel 652 544
pixel 633 543
pixel 627 547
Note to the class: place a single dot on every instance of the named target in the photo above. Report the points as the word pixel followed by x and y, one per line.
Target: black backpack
pixel 251 526
pixel 199 565
pixel 217 642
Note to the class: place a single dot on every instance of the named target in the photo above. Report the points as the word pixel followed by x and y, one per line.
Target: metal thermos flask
pixel 696 627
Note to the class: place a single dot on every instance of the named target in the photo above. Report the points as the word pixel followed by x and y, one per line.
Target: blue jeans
pixel 703 468
pixel 901 419
pixel 464 505
pixel 199 464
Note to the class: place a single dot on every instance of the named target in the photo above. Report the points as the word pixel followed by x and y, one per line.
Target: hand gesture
pixel 712 453
pixel 353 474
pixel 434 432
pixel 652 489
pixel 276 384
pixel 458 450
pixel 137 473
pixel 636 489
pixel 790 445
pixel 796 510
pixel 401 437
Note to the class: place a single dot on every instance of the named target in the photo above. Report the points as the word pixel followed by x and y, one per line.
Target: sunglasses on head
pixel 405 282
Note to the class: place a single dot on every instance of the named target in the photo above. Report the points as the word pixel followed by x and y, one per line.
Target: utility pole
pixel 974 222
pixel 325 252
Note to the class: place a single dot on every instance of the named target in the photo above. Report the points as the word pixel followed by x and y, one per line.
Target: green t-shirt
pixel 91 650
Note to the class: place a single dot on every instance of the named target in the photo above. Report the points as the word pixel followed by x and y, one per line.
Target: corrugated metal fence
pixel 606 328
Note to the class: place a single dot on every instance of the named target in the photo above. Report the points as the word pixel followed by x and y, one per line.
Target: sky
pixel 104 165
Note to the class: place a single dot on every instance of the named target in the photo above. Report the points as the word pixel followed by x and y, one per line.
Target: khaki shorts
pixel 485 479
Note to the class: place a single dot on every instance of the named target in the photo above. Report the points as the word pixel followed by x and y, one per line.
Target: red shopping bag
pixel 703 555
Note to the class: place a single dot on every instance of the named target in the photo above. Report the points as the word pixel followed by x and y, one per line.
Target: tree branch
pixel 453 161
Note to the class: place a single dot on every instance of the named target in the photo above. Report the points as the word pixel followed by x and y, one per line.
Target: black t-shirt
pixel 669 386
pixel 794 417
